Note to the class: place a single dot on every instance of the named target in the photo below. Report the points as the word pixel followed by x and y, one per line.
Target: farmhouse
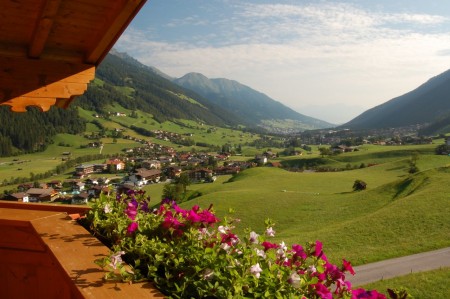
pixel 115 165
pixel 203 174
pixel 84 169
pixel 144 176
pixel 40 194
pixel 20 196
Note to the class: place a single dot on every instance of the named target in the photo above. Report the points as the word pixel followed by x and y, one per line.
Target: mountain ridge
pixel 423 105
pixel 239 99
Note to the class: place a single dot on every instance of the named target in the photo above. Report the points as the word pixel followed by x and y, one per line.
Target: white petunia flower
pixel 270 232
pixel 254 238
pixel 256 270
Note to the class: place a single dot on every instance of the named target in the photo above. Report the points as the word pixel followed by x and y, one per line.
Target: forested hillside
pixel 33 131
pixel 137 87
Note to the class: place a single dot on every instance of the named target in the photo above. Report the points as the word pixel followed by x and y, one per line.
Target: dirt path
pixel 420 262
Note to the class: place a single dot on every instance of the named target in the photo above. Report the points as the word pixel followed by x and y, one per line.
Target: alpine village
pixel 84 124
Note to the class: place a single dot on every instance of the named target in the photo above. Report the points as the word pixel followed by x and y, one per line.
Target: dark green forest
pixel 33 130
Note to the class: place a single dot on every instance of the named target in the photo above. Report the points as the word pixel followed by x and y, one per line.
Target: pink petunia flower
pixel 268 245
pixel 364 294
pixel 132 227
pixel 347 266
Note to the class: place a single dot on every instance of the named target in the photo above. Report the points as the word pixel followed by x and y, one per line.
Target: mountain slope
pixel 245 102
pixel 135 86
pixel 423 105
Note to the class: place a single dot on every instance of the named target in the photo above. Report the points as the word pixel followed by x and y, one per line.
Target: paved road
pixel 400 266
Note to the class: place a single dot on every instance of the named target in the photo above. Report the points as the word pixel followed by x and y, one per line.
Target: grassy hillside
pixel 432 284
pixel 399 214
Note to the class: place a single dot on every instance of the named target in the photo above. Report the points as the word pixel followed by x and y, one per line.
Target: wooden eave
pixel 49 49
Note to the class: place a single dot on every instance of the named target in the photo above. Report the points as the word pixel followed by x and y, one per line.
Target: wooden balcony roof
pixel 49 48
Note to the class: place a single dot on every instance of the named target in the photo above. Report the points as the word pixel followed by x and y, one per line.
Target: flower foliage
pixel 190 254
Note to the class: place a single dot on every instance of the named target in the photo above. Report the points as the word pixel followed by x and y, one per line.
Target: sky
pixel 327 59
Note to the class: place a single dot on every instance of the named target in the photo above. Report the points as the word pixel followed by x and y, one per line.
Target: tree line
pixel 34 130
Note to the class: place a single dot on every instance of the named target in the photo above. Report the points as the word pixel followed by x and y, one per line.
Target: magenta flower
pixel 318 248
pixel 179 210
pixel 333 272
pixel 347 266
pixel 193 216
pixel 299 252
pixel 323 291
pixel 131 211
pixel 364 294
pixel 230 239
pixel 268 245
pixel 132 227
pixel 144 206
pixel 207 217
pixel 171 222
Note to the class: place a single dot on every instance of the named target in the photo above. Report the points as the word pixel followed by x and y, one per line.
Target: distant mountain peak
pixel 246 102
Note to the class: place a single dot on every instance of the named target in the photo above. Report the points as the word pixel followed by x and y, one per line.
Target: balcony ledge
pixel 45 254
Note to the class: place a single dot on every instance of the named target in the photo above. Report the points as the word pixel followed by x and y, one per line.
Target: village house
pixel 149 164
pixel 80 199
pixel 270 154
pixel 78 187
pixel 261 159
pixel 96 190
pixel 41 195
pixel 19 196
pixel 24 187
pixel 223 170
pixel 173 171
pixel 165 159
pixel 55 184
pixel 115 165
pixel 83 169
pixel 143 176
pixel 202 175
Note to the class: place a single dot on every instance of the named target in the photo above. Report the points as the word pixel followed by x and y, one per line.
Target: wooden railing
pixel 45 254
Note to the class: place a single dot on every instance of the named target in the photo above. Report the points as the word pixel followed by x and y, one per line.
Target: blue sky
pixel 327 59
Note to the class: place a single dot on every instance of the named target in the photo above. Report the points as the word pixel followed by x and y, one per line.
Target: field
pixel 398 214
pixel 433 284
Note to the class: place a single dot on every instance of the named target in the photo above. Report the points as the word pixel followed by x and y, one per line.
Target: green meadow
pixel 398 214
pixel 432 284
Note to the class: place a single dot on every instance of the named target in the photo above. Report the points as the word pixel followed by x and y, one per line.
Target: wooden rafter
pixel 43 27
pixel 49 49
pixel 115 27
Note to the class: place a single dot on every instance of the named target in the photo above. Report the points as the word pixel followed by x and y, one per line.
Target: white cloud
pixel 324 52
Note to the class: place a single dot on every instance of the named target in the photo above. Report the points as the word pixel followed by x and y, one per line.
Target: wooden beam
pixel 43 28
pixel 112 30
pixel 43 83
pixel 20 104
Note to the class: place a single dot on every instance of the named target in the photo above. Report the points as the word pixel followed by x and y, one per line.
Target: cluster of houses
pixel 148 164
